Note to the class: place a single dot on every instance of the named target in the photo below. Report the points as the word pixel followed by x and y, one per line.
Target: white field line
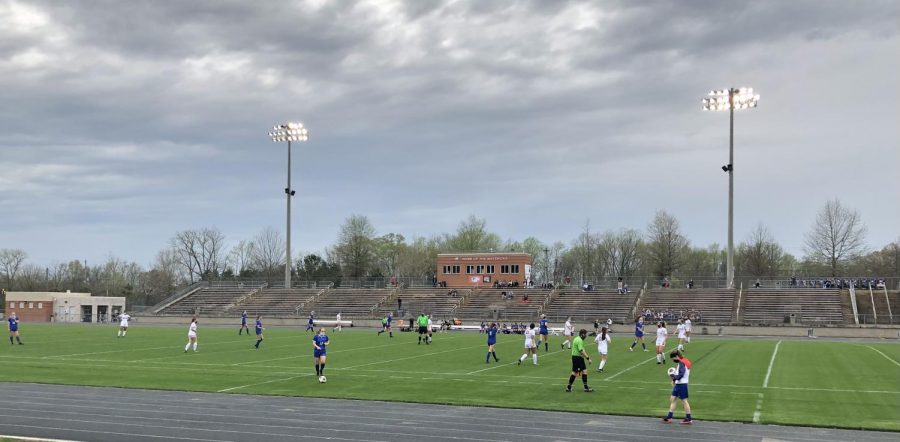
pixel 413 357
pixel 130 349
pixel 262 383
pixel 885 356
pixel 507 364
pixel 771 363
pixel 629 369
pixel 758 412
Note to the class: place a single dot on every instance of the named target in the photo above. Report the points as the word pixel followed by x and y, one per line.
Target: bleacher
pixel 811 306
pixel 434 301
pixel 713 305
pixel 351 303
pixel 209 301
pixel 589 306
pixel 272 302
pixel 479 306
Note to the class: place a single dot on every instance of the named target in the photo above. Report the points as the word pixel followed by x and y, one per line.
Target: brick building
pixel 63 307
pixel 483 269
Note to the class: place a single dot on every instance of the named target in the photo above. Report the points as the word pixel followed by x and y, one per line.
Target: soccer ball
pixel 322 379
pixel 671 371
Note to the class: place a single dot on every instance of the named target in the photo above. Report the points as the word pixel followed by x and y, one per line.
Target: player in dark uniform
pixel 638 334
pixel 491 342
pixel 422 322
pixel 311 322
pixel 578 367
pixel 244 324
pixel 14 328
pixel 259 330
pixel 320 341
pixel 544 334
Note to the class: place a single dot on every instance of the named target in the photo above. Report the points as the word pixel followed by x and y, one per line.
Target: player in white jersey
pixel 687 330
pixel 430 330
pixel 123 324
pixel 567 332
pixel 337 324
pixel 192 335
pixel 681 329
pixel 661 335
pixel 603 340
pixel 530 345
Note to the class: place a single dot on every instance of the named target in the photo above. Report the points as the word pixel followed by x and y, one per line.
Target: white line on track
pixel 771 363
pixel 37 439
pixel 885 356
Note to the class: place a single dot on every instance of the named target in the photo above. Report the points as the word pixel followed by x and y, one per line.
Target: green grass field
pixel 819 383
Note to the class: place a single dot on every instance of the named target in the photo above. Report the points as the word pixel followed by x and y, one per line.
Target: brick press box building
pixel 483 269
pixel 63 307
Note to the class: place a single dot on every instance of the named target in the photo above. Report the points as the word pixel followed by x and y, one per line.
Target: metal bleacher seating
pixel 589 306
pixel 481 303
pixel 808 305
pixel 209 301
pixel 273 302
pixel 713 305
pixel 351 303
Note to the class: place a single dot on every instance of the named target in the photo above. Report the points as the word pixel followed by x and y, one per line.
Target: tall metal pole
pixel 287 266
pixel 730 259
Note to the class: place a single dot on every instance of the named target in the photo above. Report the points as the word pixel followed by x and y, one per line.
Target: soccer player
pixel 530 346
pixel 310 322
pixel 430 330
pixel 244 324
pixel 687 330
pixel 680 388
pixel 123 324
pixel 491 342
pixel 567 332
pixel 578 367
pixel 337 323
pixel 545 332
pixel 661 335
pixel 192 335
pixel 259 331
pixel 638 334
pixel 14 328
pixel 596 326
pixel 603 340
pixel 681 334
pixel 320 341
pixel 422 322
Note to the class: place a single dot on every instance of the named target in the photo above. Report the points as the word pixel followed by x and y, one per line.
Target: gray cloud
pixel 127 121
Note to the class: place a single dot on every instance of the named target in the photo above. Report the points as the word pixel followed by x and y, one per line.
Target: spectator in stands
pixel 665 283
pixel 525 297
pixel 757 284
pixel 399 306
pixel 690 284
pixel 620 286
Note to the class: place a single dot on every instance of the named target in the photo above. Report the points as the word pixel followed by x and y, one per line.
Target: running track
pixel 113 414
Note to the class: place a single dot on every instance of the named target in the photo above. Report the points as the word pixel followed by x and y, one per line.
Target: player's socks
pixel 534 358
pixel 587 387
pixel 687 417
pixel 123 333
pixel 546 346
pixel 602 363
pixel 571 381
pixel 19 340
pixel 258 341
pixel 391 334
pixel 186 347
pixel 10 340
pixel 520 359
pixel 644 345
pixel 318 370
pixel 669 416
pixel 487 358
pixel 195 346
pixel 322 368
pixel 379 333
pixel 495 356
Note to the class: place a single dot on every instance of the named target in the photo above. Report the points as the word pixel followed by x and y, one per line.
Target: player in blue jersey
pixel 638 334
pixel 680 387
pixel 491 342
pixel 320 341
pixel 13 321
pixel 544 334
pixel 310 322
pixel 259 330
pixel 244 324
pixel 386 325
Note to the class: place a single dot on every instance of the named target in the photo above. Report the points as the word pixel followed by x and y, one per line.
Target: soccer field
pixel 822 383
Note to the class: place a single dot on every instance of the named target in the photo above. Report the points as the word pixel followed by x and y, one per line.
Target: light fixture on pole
pixel 730 100
pixel 288 132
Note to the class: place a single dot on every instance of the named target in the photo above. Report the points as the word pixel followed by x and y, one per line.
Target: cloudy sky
pixel 124 122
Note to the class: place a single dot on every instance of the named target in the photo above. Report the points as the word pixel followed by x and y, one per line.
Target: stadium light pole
pixel 288 132
pixel 730 100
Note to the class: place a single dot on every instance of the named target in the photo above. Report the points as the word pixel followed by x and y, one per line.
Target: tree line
pixel 834 246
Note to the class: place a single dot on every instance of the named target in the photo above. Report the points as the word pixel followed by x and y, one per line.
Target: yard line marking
pixel 629 369
pixel 511 363
pixel 262 383
pixel 758 412
pixel 885 356
pixel 771 363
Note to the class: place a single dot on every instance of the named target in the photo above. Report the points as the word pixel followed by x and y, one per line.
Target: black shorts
pixel 423 329
pixel 578 364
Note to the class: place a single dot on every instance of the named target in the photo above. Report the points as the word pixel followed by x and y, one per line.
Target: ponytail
pixel 603 334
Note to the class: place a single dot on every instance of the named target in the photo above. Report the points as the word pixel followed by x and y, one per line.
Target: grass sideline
pixel 817 383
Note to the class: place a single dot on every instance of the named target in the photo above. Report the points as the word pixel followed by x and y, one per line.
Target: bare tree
pixel 837 236
pixel 268 252
pixel 666 246
pixel 240 258
pixel 11 261
pixel 200 252
pixel 760 255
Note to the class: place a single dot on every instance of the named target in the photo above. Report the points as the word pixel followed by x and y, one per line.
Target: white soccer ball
pixel 322 379
pixel 672 371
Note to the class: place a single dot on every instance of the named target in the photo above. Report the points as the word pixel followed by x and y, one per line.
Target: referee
pixel 578 366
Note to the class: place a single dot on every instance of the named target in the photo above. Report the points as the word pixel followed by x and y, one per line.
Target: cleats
pixel 519 363
pixel 630 348
pixel 568 389
pixel 687 422
pixel 588 390
pixel 599 370
pixel 666 420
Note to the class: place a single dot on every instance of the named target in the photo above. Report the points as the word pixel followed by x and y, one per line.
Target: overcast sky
pixel 122 122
